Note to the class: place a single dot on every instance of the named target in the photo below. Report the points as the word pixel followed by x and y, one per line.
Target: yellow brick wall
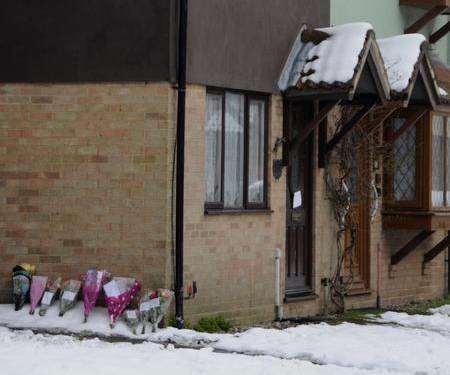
pixel 230 256
pixel 399 284
pixel 84 179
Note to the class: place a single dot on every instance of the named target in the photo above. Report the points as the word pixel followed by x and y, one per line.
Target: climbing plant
pixel 348 178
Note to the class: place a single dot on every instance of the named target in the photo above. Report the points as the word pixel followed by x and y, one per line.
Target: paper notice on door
pixel 111 289
pixel 297 199
pixel 47 298
pixel 69 296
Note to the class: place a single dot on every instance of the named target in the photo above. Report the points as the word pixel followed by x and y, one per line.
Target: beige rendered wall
pixel 84 179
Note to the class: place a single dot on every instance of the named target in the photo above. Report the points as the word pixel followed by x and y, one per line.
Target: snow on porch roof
pixel 410 71
pixel 402 56
pixel 330 58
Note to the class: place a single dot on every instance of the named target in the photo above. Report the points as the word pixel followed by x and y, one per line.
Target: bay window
pixel 418 182
pixel 404 148
pixel 235 150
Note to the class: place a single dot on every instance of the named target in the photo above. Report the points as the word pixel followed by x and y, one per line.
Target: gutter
pixel 181 112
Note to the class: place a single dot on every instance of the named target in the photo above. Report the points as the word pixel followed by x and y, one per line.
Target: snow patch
pixel 400 54
pixel 97 324
pixel 333 61
pixel 369 347
pixel 445 310
pixel 25 353
pixel 439 321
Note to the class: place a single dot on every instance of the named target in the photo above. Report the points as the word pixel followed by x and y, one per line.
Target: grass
pixel 213 324
pixel 172 322
pixel 210 324
pixel 421 308
pixel 362 316
pixel 359 316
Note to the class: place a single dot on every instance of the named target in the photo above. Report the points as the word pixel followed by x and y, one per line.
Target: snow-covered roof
pixel 325 57
pixel 401 55
pixel 347 60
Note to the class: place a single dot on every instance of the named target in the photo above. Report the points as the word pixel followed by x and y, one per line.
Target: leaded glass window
pixel 438 161
pixel 404 182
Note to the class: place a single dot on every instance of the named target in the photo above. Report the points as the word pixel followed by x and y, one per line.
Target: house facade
pixel 88 121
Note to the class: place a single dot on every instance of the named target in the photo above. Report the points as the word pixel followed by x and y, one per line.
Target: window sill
pixel 298 297
pixel 423 220
pixel 358 292
pixel 216 212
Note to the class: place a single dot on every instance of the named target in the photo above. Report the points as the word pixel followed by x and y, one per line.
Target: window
pixel 438 161
pixel 235 150
pixel 404 162
pixel 440 158
pixel 421 151
pixel 418 180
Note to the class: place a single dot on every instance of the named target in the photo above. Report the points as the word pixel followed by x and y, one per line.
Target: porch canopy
pixel 341 62
pixel 391 78
pixel 411 76
pixel 346 64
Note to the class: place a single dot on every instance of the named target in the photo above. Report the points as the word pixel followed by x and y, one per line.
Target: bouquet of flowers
pixel 49 296
pixel 38 284
pixel 132 319
pixel 119 292
pixel 21 284
pixel 154 306
pixel 68 298
pixel 92 285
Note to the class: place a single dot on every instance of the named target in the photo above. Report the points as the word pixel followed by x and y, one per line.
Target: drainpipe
pixel 278 306
pixel 378 276
pixel 179 222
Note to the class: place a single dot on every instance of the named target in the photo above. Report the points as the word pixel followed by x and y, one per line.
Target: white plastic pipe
pixel 278 306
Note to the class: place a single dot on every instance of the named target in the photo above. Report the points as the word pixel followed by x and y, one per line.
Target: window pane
pixel 256 151
pixel 448 160
pixel 438 144
pixel 213 147
pixel 404 163
pixel 234 151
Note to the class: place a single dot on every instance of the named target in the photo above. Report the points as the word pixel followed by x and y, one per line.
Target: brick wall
pixel 232 257
pixel 399 284
pixel 84 179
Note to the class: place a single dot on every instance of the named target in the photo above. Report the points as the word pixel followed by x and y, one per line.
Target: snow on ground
pixel 445 310
pixel 439 321
pixel 97 324
pixel 416 349
pixel 350 345
pixel 22 352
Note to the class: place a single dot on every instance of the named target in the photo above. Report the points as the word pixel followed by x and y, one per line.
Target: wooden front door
pixel 359 265
pixel 299 204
